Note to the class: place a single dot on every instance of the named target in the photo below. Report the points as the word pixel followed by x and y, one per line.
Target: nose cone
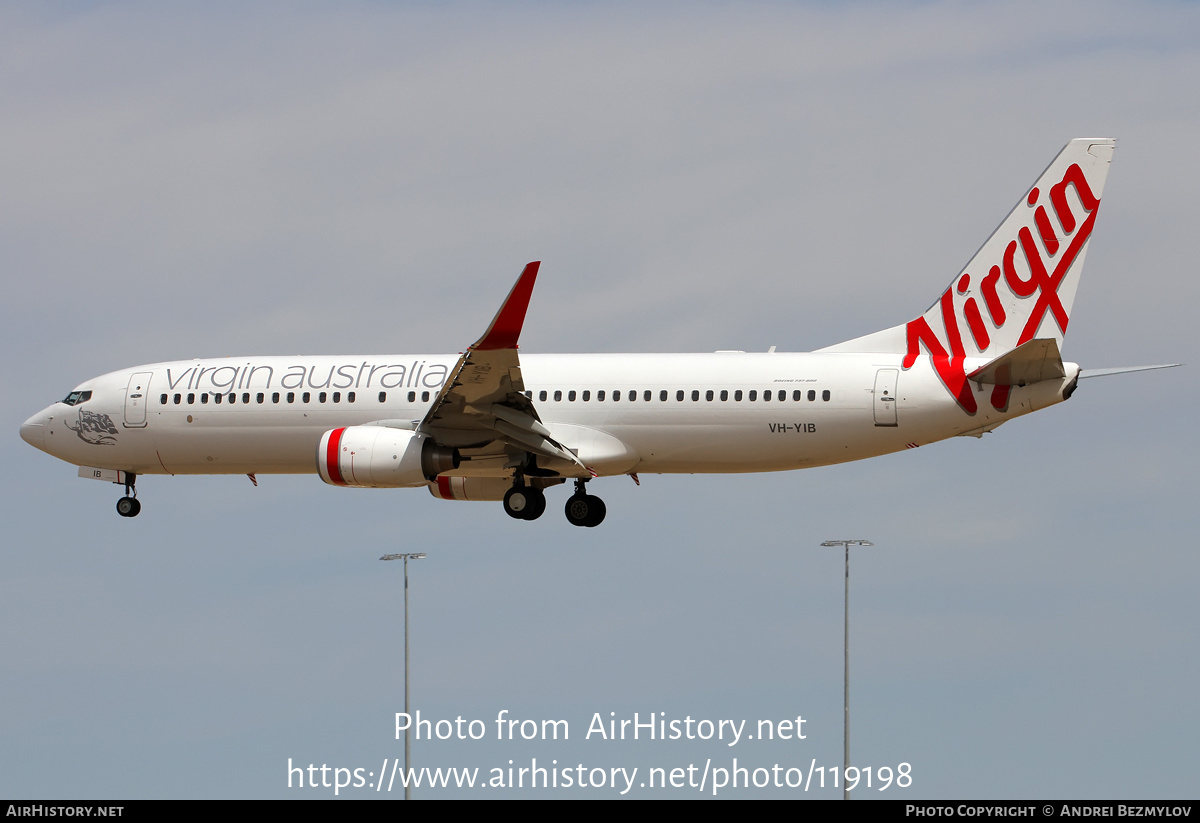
pixel 33 431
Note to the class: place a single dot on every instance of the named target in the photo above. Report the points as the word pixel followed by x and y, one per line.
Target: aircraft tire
pixel 535 505
pixel 128 507
pixel 519 501
pixel 585 510
pixel 598 512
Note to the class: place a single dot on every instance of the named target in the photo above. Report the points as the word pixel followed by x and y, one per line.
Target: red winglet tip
pixel 506 325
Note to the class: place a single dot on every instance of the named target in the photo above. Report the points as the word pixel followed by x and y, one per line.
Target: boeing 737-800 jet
pixel 493 424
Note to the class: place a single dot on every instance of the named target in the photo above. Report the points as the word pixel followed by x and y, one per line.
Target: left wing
pixel 482 406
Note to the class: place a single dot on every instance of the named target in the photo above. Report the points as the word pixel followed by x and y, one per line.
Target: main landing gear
pixel 523 502
pixel 584 509
pixel 128 506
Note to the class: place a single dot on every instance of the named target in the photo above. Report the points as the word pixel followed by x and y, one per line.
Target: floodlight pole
pixel 846 660
pixel 408 731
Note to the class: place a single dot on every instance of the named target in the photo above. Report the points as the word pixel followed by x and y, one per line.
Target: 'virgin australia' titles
pixel 295 375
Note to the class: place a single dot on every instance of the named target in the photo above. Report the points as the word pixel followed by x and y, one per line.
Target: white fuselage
pixel 676 413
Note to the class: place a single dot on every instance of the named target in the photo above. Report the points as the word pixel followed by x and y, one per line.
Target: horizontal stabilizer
pixel 1028 363
pixel 1126 370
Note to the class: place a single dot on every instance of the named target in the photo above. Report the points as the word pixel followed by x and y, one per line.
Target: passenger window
pixel 662 395
pixel 753 394
pixel 191 398
pixel 695 395
pixel 825 394
pixel 424 397
pixel 632 395
pixel 291 397
pixel 529 394
pixel 350 397
pixel 797 394
pixel 647 395
pixel 412 397
pixel 162 399
pixel 600 395
pixel 542 395
pixel 275 397
pixel 260 398
pixel 737 395
pixel 679 396
pixel 306 397
pixel 616 395
pixel 571 396
pixel 812 395
pixel 217 399
pixel 767 394
pixel 337 397
pixel 321 397
pixel 204 398
pixel 587 395
pixel 177 399
pixel 557 395
pixel 724 394
pixel 246 397
pixel 708 395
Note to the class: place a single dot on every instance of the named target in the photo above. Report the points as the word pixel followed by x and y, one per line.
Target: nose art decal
pixel 97 429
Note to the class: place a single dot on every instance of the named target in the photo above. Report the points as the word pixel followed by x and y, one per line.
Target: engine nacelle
pixel 470 488
pixel 482 488
pixel 380 457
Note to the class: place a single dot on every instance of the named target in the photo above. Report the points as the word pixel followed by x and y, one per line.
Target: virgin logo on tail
pixel 1020 289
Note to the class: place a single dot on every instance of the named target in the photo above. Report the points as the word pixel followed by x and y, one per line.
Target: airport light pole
pixel 408 731
pixel 846 660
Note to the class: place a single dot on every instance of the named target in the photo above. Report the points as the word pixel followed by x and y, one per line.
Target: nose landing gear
pixel 128 506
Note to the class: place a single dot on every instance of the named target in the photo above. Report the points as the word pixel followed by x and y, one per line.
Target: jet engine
pixel 380 457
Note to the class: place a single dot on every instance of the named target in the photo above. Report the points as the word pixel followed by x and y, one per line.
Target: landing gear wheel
pixel 537 503
pixel 516 500
pixel 524 502
pixel 585 510
pixel 128 507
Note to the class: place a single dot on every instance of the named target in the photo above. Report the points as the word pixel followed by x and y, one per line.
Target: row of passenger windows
pixel 276 397
pixel 648 395
pixel 630 395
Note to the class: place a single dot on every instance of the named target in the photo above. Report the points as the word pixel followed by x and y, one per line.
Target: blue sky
pixel 219 179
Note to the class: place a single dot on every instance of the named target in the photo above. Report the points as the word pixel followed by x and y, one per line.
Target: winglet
pixel 506 325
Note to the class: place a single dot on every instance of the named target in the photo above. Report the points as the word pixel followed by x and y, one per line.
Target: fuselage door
pixel 885 397
pixel 137 397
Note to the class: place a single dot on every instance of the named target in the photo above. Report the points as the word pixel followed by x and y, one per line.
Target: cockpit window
pixel 77 397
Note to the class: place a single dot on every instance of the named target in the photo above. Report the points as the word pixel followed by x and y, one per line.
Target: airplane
pixel 495 424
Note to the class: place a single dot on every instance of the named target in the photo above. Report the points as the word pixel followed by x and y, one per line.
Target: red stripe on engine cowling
pixel 443 484
pixel 332 462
